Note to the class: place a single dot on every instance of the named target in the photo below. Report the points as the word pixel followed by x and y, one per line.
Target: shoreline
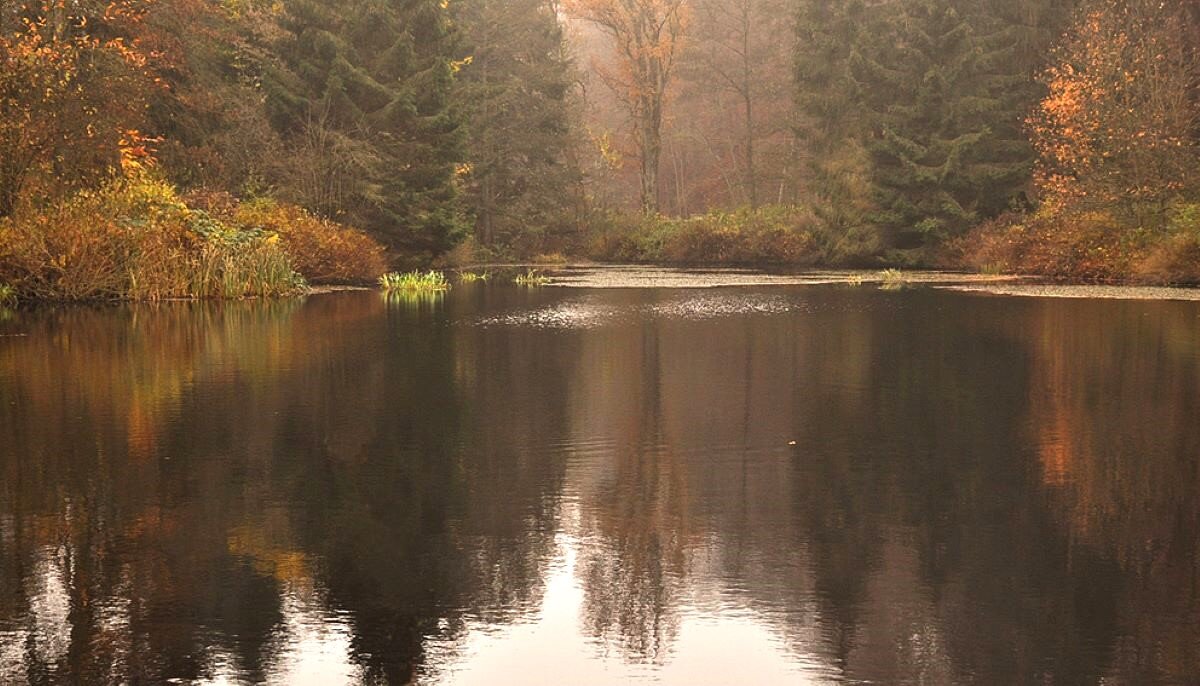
pixel 593 275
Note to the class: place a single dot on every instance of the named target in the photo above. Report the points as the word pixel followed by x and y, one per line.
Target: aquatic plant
pixel 8 296
pixel 892 279
pixel 415 281
pixel 472 277
pixel 531 277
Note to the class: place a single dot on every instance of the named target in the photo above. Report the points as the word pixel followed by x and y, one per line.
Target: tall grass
pixel 415 281
pixel 136 239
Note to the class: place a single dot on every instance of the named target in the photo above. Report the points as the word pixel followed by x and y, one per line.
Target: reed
pixel 892 279
pixel 472 277
pixel 531 277
pixel 415 281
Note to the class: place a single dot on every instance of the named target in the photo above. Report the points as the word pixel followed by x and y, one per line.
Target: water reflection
pixel 821 484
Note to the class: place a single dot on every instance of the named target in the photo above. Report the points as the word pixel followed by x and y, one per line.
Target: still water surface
pixel 757 485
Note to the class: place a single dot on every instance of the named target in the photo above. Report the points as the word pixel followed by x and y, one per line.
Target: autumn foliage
pixel 134 238
pixel 321 250
pixel 73 86
pixel 1118 127
pixel 1118 154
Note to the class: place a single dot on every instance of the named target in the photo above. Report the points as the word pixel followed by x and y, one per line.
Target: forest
pixel 154 149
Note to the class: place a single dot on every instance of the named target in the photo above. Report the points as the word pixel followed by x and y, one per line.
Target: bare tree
pixel 646 37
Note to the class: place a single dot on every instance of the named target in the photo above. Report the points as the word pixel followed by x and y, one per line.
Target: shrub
pixel 134 238
pixel 321 250
pixel 1092 246
pixel 772 235
pixel 1175 258
pixel 8 296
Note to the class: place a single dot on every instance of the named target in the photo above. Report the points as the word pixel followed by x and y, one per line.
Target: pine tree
pixel 366 91
pixel 829 123
pixel 929 110
pixel 1016 37
pixel 515 90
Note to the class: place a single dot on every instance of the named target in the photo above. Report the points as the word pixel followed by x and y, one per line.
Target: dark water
pixel 745 486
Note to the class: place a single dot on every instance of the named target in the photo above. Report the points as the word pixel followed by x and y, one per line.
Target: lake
pixel 770 483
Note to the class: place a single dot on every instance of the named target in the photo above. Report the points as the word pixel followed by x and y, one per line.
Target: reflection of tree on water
pixel 929 546
pixel 1113 407
pixel 981 489
pixel 314 456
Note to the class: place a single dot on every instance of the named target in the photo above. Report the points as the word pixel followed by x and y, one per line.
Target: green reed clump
pixel 414 281
pixel 531 277
pixel 8 296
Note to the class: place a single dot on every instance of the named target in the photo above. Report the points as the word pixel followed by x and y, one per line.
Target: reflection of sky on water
pixel 713 643
pixel 310 645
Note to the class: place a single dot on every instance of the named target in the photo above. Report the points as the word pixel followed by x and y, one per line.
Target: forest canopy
pixel 1046 136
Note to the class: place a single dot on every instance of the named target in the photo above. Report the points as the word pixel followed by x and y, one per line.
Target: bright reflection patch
pixel 711 646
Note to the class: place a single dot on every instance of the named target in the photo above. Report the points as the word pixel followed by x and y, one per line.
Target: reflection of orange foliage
pixel 143 439
pixel 264 547
pixel 1055 448
pixel 136 365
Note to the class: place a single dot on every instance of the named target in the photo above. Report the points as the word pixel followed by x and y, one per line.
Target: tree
pixel 646 37
pixel 1118 127
pixel 733 104
pixel 367 94
pixel 830 124
pixel 72 92
pixel 515 90
pixel 210 112
pixel 1016 37
pixel 929 116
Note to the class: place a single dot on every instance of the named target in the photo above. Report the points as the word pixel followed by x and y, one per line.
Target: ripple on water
pixel 589 314
pixel 711 306
pixel 571 314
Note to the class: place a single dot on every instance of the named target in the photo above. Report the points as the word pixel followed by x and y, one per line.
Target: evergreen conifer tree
pixel 515 90
pixel 929 112
pixel 828 122
pixel 367 89
pixel 1016 37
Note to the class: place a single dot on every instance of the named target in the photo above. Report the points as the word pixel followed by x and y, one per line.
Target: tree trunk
pixel 748 96
pixel 651 151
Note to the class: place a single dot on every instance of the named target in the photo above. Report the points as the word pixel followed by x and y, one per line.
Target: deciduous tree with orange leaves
pixel 1118 127
pixel 646 37
pixel 72 91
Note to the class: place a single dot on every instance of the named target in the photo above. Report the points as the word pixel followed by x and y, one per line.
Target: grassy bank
pixel 1088 246
pixel 1095 246
pixel 776 235
pixel 137 239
